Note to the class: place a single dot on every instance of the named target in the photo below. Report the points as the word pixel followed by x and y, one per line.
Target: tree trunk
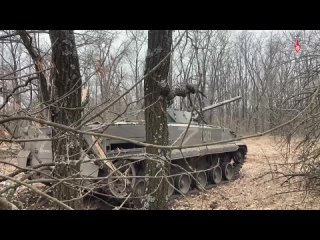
pixel 38 61
pixel 67 79
pixel 159 45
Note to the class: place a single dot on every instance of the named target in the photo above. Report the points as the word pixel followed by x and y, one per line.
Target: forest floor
pixel 257 187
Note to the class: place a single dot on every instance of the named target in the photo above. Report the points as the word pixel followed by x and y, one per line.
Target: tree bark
pixel 159 46
pixel 38 61
pixel 67 79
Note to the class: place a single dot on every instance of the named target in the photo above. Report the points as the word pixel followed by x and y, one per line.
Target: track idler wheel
pixel 216 175
pixel 200 180
pixel 139 192
pixel 227 170
pixel 139 188
pixel 182 183
pixel 120 187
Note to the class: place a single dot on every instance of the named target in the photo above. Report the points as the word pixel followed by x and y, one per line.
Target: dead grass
pixel 256 189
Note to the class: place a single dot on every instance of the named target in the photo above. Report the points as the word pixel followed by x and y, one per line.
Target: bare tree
pixel 159 45
pixel 279 90
pixel 67 89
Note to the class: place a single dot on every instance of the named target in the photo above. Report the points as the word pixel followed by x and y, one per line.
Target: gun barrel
pixel 218 105
pixel 221 103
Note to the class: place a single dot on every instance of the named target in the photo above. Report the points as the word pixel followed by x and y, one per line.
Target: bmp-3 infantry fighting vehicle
pixel 195 167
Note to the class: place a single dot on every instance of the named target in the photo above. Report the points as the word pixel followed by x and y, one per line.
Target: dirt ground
pixel 254 189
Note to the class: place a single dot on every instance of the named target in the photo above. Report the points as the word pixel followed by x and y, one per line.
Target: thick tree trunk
pixel 159 45
pixel 67 88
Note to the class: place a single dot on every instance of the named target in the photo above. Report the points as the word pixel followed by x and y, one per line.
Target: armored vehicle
pixel 192 167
